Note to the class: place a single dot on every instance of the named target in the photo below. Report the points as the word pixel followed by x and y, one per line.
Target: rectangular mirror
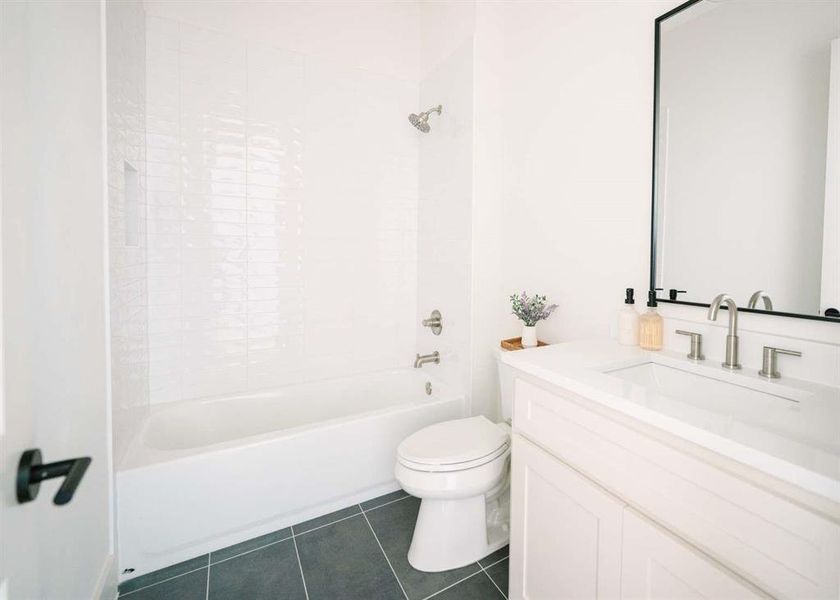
pixel 746 187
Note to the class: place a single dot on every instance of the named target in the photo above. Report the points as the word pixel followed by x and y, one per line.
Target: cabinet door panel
pixel 565 531
pixel 771 540
pixel 659 566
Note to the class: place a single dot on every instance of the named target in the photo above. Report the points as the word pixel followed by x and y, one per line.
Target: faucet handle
pixel 434 322
pixel 696 352
pixel 770 362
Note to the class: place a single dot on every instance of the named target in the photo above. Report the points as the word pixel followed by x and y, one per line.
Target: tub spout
pixel 422 359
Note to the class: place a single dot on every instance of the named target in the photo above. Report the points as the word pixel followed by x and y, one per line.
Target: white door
pixel 658 566
pixel 54 337
pixel 565 531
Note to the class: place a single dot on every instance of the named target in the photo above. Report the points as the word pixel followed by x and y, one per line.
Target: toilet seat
pixel 455 445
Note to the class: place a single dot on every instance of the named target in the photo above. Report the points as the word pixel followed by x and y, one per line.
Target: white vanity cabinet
pixel 659 566
pixel 601 509
pixel 565 532
pixel 572 539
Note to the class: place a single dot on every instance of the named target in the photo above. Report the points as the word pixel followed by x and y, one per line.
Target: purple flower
pixel 531 310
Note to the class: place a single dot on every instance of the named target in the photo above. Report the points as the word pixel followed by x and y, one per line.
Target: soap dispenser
pixel 650 326
pixel 628 321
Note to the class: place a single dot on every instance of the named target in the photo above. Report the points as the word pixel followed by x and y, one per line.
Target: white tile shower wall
pixel 382 36
pixel 282 193
pixel 126 72
pixel 445 214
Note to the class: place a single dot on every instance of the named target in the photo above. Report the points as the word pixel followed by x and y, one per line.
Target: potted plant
pixel 530 310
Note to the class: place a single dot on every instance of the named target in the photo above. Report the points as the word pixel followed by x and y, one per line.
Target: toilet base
pixel 455 533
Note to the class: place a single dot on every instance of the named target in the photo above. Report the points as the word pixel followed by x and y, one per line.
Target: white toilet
pixel 460 470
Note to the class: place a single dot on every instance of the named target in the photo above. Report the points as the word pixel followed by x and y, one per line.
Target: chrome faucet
pixel 760 295
pixel 422 359
pixel 769 366
pixel 731 361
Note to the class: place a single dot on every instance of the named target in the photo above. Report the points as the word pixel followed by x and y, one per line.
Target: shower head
pixel 421 121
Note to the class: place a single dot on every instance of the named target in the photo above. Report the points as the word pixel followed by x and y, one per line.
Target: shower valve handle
pixel 434 322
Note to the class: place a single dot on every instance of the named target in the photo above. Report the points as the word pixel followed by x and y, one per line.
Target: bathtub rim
pixel 138 455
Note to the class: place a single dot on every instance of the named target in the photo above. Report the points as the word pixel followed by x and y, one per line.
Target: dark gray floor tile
pixel 251 544
pixel 161 574
pixel 270 572
pixel 326 519
pixel 477 587
pixel 379 501
pixel 192 586
pixel 394 526
pixel 495 557
pixel 499 574
pixel 343 560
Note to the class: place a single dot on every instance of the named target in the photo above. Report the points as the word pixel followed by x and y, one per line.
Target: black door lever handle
pixel 31 472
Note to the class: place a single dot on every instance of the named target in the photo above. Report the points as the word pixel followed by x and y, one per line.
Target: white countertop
pixel 793 435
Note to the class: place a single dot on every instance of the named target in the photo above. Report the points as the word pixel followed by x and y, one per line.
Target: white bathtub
pixel 205 474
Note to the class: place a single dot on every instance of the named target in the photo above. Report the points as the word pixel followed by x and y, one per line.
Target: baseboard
pixel 106 583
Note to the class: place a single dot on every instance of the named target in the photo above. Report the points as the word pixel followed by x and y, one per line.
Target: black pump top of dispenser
pixel 652 299
pixel 628 296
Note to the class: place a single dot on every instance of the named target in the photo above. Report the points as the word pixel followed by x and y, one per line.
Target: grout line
pixel 291 537
pixel 327 524
pixel 492 581
pixel 451 585
pixel 285 539
pixel 300 565
pixel 163 580
pixel 376 537
pixel 385 504
pixel 207 583
pixel 493 564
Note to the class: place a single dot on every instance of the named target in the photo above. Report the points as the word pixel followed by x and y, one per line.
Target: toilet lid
pixel 454 442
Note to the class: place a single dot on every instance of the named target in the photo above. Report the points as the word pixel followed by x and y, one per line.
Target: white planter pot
pixel 529 336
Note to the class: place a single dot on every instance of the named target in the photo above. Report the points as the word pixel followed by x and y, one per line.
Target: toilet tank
pixel 506 381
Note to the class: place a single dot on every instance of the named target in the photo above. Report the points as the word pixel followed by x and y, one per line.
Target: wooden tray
pixel 516 344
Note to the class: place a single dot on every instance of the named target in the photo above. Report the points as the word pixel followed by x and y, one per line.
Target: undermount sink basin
pixel 699 390
pixel 779 420
pixel 787 428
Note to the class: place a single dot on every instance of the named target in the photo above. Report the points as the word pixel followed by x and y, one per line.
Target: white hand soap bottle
pixel 628 321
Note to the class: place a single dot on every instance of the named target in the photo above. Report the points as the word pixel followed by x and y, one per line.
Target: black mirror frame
pixel 653 223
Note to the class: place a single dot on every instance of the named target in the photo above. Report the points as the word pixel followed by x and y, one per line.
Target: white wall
pixel 744 104
pixel 578 91
pixel 445 214
pixel 444 28
pixel 126 96
pixel 563 95
pixel 282 190
pixel 376 35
